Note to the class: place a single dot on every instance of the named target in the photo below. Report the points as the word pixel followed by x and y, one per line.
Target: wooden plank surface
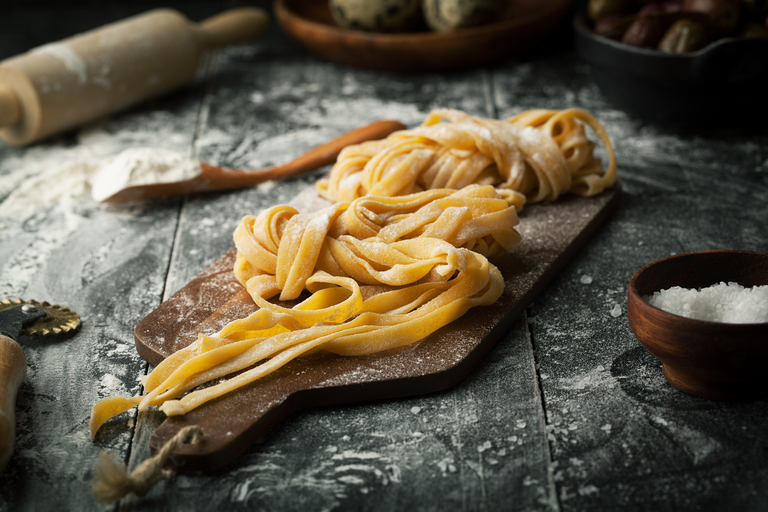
pixel 566 413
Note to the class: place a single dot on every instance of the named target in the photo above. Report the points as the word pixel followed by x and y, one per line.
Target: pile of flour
pixel 142 166
pixel 76 181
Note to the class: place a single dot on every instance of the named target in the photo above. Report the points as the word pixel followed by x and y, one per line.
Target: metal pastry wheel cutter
pixel 30 318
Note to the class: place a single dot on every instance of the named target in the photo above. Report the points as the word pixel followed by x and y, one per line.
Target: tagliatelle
pixel 403 251
pixel 382 272
pixel 535 156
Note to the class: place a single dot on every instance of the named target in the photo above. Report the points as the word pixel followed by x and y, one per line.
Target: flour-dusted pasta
pixel 535 156
pixel 402 252
pixel 382 272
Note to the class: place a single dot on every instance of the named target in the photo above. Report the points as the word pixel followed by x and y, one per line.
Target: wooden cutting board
pixel 552 234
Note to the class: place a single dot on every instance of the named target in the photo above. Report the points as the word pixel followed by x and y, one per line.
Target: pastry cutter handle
pixel 13 368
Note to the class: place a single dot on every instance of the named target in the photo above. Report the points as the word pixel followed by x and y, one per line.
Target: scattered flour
pixel 142 166
pixel 727 303
pixel 447 465
pixel 73 61
pixel 586 490
pixel 308 201
pixel 75 181
pixel 64 184
pixel 111 384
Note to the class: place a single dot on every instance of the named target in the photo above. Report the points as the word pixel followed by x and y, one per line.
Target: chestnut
pixel 596 9
pixel 724 14
pixel 612 26
pixel 652 7
pixel 645 31
pixel 684 36
pixel 666 6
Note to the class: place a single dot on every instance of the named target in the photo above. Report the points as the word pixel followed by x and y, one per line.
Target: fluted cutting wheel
pixel 58 319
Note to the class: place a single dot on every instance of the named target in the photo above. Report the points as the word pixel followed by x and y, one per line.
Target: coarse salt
pixel 722 302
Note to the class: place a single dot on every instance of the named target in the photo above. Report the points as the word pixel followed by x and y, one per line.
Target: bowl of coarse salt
pixel 704 315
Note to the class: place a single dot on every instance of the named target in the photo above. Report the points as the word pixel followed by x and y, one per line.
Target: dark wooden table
pixel 567 412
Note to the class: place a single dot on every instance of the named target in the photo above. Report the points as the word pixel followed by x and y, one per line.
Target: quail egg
pixel 447 15
pixel 377 15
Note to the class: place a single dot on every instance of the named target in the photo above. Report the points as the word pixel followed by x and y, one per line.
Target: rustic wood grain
pixel 566 413
pixel 552 234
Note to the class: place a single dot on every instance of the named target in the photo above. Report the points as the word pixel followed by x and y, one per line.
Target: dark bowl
pixel 723 85
pixel 713 360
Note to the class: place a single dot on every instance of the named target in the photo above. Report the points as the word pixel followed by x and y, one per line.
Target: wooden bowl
pixel 527 23
pixel 712 360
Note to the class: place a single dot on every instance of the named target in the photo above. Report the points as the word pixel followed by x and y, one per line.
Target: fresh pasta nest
pixel 535 156
pixel 404 251
pixel 383 272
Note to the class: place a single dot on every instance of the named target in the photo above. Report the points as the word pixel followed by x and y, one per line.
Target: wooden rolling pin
pixel 62 85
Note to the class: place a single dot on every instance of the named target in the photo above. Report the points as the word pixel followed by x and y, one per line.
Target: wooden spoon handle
pixel 213 177
pixel 313 159
pixel 13 368
pixel 327 153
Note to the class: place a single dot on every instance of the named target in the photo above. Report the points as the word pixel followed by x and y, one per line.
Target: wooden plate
pixel 552 234
pixel 527 23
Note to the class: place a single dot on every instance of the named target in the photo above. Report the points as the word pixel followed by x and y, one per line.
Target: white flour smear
pixel 72 60
pixel 51 196
pixel 142 166
pixel 64 184
pixel 76 181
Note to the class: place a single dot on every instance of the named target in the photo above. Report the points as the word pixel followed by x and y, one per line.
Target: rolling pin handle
pixel 234 26
pixel 13 368
pixel 10 113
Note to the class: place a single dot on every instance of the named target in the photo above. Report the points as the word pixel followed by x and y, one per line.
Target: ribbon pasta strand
pixel 382 272
pixel 402 252
pixel 535 156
